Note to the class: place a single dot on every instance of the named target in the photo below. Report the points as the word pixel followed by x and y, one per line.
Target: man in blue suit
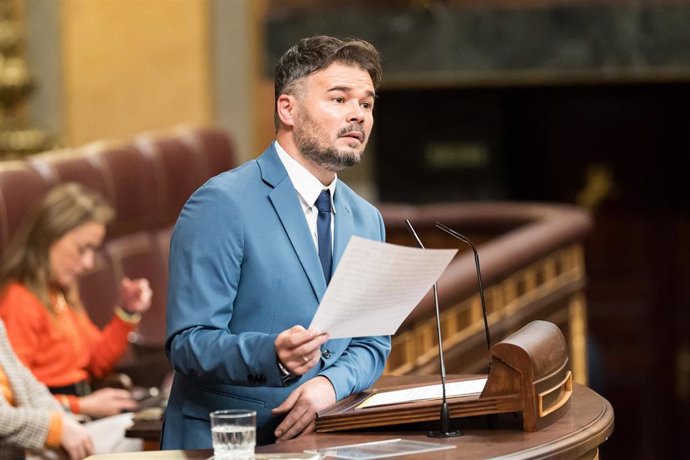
pixel 252 253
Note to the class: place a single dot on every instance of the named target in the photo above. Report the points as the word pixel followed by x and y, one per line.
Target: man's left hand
pixel 302 406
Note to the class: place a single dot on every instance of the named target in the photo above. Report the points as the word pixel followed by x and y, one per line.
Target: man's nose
pixel 356 113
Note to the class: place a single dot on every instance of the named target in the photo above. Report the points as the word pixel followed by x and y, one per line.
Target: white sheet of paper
pixel 376 286
pixel 453 389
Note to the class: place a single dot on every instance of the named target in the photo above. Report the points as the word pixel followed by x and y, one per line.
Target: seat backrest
pixel 180 169
pixel 147 181
pixel 20 187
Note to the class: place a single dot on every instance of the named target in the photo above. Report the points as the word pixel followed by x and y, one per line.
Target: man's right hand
pixel 75 440
pixel 106 402
pixel 299 349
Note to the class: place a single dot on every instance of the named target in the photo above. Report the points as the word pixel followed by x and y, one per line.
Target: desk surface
pixel 577 435
pixel 586 425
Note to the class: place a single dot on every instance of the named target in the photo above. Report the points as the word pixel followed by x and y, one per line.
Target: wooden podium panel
pixel 529 375
pixel 576 435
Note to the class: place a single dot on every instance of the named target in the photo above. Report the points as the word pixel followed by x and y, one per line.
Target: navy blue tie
pixel 323 231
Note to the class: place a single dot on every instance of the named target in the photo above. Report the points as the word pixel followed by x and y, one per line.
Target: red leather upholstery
pixel 215 146
pixel 179 168
pixel 147 181
pixel 136 192
pixel 70 166
pixel 20 187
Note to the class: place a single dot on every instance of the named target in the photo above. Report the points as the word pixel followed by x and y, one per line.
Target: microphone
pixel 445 431
pixel 467 241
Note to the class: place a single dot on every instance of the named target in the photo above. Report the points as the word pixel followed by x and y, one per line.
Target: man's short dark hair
pixel 312 54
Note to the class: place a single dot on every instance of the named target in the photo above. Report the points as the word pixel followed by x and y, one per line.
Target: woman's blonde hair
pixel 27 257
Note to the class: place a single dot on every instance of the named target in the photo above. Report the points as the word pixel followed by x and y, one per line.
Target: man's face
pixel 334 116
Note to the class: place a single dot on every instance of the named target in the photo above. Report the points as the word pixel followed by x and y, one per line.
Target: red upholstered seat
pixel 147 181
pixel 135 191
pixel 138 256
pixel 179 169
pixel 215 146
pixel 71 166
pixel 20 188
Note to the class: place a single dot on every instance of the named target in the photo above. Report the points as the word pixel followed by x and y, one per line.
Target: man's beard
pixel 314 145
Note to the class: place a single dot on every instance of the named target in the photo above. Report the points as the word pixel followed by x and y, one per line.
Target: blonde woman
pixel 46 322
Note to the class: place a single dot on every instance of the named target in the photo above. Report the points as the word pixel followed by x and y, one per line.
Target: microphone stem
pixel 480 285
pixel 481 298
pixel 445 412
pixel 440 352
pixel 445 431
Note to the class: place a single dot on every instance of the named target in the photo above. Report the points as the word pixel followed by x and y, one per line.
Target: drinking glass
pixel 234 434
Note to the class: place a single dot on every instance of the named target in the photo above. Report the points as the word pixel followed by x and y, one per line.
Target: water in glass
pixel 233 442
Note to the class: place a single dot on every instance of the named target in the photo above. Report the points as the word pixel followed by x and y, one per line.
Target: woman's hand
pixel 135 295
pixel 75 440
pixel 106 402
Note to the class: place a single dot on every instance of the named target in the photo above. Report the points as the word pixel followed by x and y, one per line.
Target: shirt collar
pixel 307 186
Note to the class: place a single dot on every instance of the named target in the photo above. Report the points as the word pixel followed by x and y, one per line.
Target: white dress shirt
pixel 308 190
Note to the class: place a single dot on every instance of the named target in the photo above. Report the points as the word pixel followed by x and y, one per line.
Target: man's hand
pixel 298 349
pixel 302 406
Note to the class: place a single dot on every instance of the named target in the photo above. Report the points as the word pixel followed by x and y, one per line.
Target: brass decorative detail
pixel 16 84
pixel 555 278
pixel 599 186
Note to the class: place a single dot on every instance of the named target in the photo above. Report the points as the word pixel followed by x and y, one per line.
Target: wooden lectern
pixel 529 375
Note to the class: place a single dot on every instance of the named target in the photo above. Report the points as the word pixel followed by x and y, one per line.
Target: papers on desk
pixel 288 456
pixel 381 449
pixel 376 286
pixel 427 392
pixel 107 434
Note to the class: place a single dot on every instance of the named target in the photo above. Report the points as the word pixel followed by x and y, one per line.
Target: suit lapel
pixel 286 205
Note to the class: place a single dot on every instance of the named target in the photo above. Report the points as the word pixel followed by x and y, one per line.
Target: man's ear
pixel 286 107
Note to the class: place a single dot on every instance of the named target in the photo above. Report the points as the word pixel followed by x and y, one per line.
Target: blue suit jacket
pixel 243 268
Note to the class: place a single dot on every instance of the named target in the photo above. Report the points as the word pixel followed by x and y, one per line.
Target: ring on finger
pixel 305 358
